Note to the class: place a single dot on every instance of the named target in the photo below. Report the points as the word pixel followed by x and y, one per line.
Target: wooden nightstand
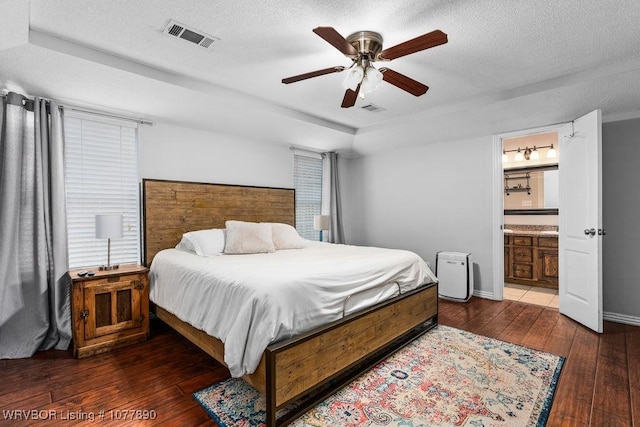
pixel 109 309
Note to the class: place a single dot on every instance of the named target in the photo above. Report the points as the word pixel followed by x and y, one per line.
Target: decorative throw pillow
pixel 203 242
pixel 286 237
pixel 248 238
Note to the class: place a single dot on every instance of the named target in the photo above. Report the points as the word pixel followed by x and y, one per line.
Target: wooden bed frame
pixel 304 369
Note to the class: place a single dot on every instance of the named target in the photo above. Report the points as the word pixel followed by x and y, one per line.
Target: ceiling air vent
pixel 176 29
pixel 373 108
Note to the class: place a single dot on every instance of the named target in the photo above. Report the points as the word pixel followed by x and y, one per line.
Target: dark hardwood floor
pixel 599 385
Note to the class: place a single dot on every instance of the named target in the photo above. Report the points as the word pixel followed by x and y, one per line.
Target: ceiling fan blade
pixel 425 41
pixel 311 74
pixel 403 82
pixel 350 97
pixel 331 36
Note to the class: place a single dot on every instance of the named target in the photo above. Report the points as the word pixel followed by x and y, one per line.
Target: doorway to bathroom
pixel 578 223
pixel 530 220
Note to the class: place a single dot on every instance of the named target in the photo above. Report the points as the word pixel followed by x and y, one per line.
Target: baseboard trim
pixel 621 318
pixel 483 294
pixel 607 315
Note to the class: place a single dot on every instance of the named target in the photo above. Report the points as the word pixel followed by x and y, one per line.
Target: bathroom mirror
pixel 531 191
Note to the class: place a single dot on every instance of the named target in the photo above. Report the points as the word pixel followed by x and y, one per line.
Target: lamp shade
pixel 109 226
pixel 321 222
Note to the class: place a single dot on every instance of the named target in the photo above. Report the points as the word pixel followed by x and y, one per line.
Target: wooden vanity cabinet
pixel 548 259
pixel 523 266
pixel 531 260
pixel 507 251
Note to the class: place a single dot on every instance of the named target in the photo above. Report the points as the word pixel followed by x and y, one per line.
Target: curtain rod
pixel 308 150
pixel 96 112
pixel 113 116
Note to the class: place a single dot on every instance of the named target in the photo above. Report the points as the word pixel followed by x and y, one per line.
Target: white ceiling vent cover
pixel 176 29
pixel 373 108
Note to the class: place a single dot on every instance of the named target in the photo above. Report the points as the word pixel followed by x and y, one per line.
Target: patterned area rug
pixel 446 377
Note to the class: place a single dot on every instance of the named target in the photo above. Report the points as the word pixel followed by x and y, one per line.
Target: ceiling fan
pixel 364 48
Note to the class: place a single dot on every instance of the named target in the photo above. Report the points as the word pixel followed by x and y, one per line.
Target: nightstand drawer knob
pixel 84 314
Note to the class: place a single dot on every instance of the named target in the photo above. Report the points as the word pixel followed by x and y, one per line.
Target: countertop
pixel 552 233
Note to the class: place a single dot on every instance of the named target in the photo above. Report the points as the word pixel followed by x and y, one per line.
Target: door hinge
pixel 84 314
pixel 137 284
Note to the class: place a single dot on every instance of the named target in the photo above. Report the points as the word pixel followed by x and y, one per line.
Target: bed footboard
pixel 309 368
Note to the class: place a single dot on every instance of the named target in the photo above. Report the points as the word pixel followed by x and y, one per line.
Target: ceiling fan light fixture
pixel 363 48
pixel 353 78
pixel 372 79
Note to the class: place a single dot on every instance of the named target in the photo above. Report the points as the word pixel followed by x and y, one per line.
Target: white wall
pixel 177 153
pixel 431 198
pixel 621 219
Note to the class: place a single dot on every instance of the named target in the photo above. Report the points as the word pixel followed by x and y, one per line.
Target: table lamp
pixel 321 222
pixel 109 227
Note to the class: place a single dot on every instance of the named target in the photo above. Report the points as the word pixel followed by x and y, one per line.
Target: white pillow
pixel 203 242
pixel 286 237
pixel 248 238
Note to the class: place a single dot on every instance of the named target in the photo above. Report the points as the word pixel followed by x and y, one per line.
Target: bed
pixel 302 366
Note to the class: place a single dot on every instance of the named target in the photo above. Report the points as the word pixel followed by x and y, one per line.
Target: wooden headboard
pixel 171 208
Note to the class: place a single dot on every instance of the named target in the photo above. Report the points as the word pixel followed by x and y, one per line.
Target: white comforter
pixel 251 301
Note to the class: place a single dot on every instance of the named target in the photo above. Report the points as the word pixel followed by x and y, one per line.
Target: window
pixel 307 180
pixel 101 176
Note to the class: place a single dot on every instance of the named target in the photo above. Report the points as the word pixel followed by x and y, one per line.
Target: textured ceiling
pixel 507 65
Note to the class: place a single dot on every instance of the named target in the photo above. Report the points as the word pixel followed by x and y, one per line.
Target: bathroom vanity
pixel 531 258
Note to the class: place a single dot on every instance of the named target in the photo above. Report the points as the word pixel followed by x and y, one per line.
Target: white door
pixel 580 231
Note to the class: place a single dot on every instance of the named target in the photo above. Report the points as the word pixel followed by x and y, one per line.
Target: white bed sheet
pixel 251 301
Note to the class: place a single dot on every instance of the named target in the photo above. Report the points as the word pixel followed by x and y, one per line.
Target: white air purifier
pixel 455 275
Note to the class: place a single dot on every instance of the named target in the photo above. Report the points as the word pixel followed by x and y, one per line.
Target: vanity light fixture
pixel 551 154
pixel 519 156
pixel 534 154
pixel 529 153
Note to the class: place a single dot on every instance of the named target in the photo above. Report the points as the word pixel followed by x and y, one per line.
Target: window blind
pixel 101 176
pixel 307 181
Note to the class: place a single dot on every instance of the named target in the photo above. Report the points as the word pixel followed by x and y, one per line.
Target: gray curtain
pixel 336 232
pixel 34 283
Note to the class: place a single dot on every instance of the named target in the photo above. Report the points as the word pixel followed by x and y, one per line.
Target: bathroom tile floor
pixel 531 295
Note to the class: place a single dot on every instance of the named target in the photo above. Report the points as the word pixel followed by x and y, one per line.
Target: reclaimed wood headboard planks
pixel 171 208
